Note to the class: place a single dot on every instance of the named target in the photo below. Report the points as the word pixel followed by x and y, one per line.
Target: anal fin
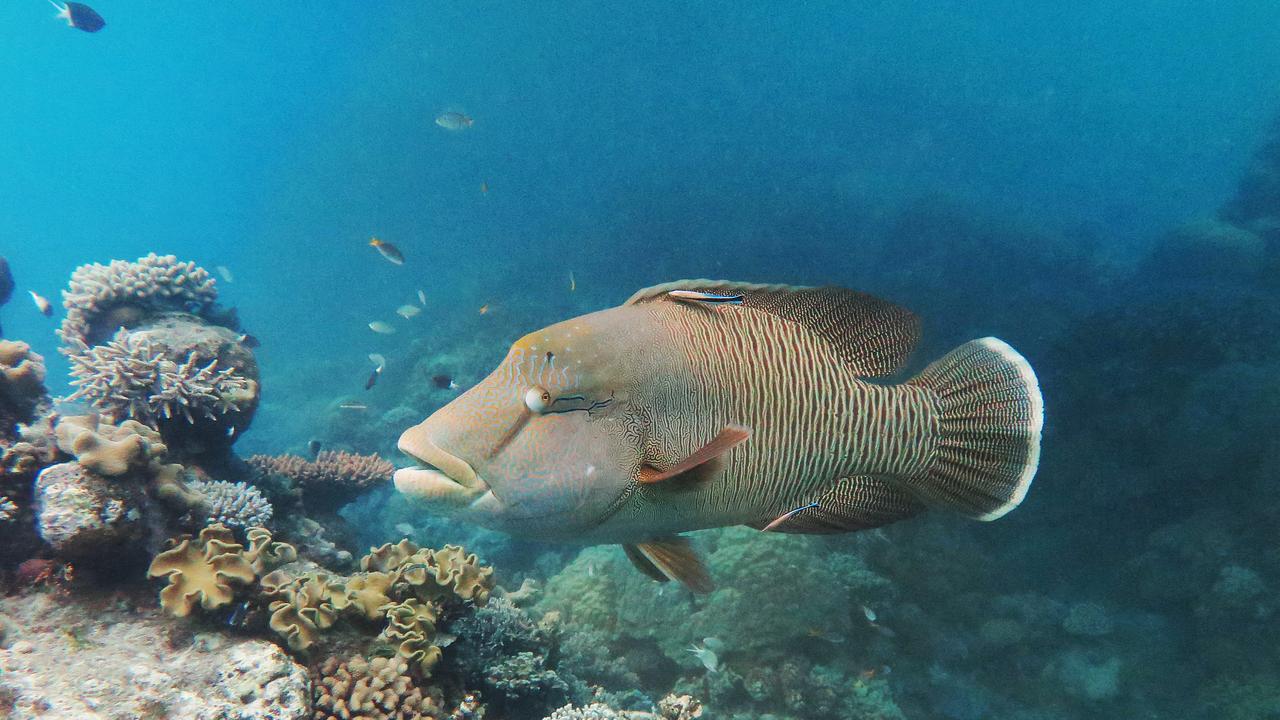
pixel 728 438
pixel 671 558
pixel 854 503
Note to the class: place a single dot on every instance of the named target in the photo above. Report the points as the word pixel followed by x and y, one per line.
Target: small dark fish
pixel 373 378
pixel 42 304
pixel 80 16
pixel 238 614
pixel 248 341
pixel 193 307
pixel 444 382
pixel 389 251
pixel 314 447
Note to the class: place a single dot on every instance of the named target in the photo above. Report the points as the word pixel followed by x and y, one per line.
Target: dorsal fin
pixel 873 336
pixel 855 503
pixel 674 558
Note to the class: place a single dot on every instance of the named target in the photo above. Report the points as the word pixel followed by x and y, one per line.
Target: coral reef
pixel 235 505
pixel 21 386
pixel 330 481
pixel 146 342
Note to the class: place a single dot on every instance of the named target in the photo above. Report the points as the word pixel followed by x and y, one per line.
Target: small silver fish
pixel 42 304
pixel 378 360
pixel 404 528
pixel 869 614
pixel 225 273
pixel 382 328
pixel 356 406
pixel 408 311
pixel 422 297
pixel 454 121
pixel 706 656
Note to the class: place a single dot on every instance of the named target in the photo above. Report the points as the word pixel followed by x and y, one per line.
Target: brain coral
pixel 130 377
pixel 102 298
pixel 377 689
pixel 21 385
pixel 332 480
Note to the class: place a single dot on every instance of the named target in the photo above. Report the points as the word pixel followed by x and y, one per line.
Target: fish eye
pixel 537 399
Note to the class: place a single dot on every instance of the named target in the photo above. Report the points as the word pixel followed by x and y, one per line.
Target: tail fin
pixel 990 418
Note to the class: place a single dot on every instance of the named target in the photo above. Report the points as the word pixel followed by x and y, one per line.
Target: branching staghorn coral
pixel 129 377
pixel 120 292
pixel 330 481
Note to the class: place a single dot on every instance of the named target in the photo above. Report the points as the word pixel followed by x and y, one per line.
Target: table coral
pixel 330 481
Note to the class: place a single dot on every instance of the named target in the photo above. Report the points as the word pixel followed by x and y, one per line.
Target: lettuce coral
pixel 203 571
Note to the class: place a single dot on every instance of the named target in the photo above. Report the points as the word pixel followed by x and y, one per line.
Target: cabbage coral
pixel 21 384
pixel 101 298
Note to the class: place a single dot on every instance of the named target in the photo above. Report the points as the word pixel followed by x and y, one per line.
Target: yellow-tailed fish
pixel 701 403
pixel 408 311
pixel 484 308
pixel 388 251
pixel 381 328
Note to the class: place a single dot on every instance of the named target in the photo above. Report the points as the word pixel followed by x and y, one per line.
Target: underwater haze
pixel 1095 183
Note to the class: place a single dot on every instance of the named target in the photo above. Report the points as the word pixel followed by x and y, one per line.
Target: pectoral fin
pixel 730 437
pixel 671 558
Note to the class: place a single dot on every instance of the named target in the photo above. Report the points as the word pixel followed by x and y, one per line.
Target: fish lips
pixel 443 478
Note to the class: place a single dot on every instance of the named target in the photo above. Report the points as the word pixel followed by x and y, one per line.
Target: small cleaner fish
pixel 703 403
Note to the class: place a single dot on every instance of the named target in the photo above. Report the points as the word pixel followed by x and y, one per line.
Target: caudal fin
pixel 989 423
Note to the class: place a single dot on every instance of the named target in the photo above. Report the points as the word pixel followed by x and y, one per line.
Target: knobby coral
pixel 130 377
pixel 377 689
pixel 330 481
pixel 21 385
pixel 101 298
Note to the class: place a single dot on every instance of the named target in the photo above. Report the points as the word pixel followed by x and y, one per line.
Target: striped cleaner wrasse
pixel 703 403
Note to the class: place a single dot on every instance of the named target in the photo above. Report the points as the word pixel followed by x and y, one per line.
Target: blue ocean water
pixel 1052 174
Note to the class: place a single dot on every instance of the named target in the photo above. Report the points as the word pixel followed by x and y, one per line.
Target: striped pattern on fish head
pixel 541 447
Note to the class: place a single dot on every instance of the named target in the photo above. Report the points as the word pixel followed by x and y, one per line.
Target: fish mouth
pixel 440 476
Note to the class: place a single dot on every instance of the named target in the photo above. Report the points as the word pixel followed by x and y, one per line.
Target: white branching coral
pixel 154 283
pixel 129 377
pixel 235 504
